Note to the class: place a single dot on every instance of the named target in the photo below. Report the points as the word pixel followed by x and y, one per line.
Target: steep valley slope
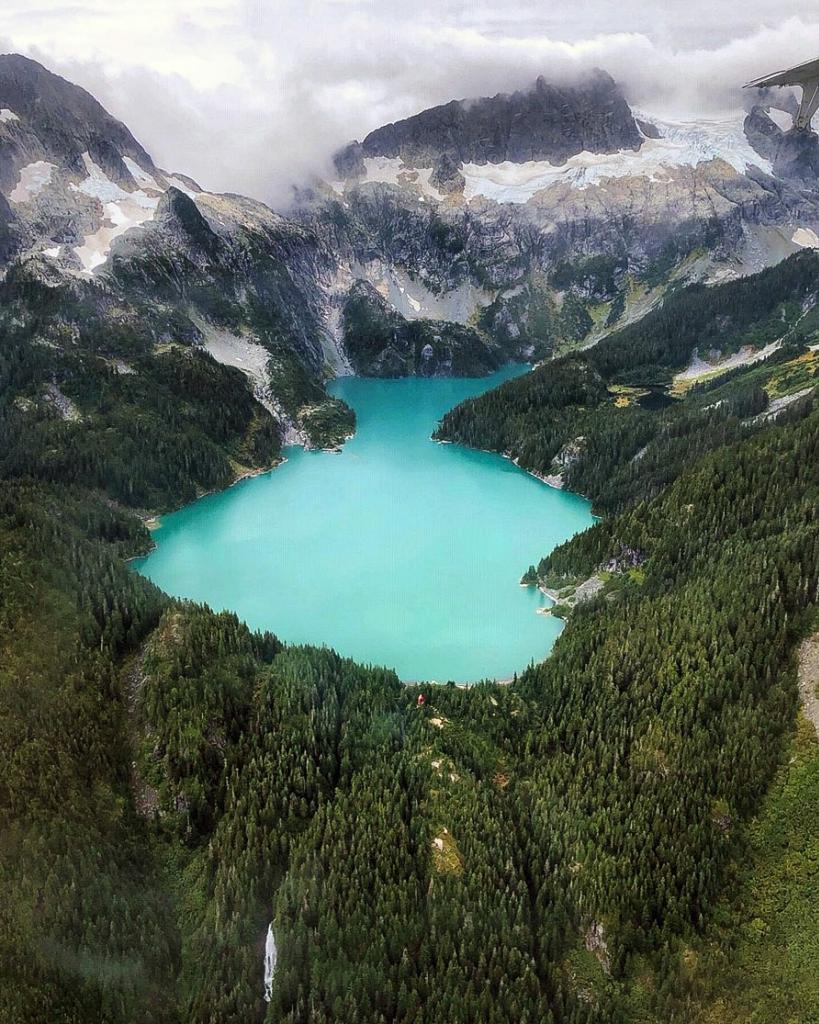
pixel 561 848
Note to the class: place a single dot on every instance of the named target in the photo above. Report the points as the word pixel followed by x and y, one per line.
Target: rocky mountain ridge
pixel 46 118
pixel 548 122
pixel 543 220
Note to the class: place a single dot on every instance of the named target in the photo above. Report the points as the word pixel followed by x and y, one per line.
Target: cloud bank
pixel 250 96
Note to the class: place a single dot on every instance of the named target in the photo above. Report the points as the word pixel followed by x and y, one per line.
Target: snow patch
pixel 387 170
pixel 121 211
pixel 332 342
pixel 33 179
pixel 140 177
pixel 681 144
pixel 271 955
pixel 53 253
pixel 335 286
pixel 776 405
pixel 252 359
pixel 746 356
pixel 641 453
pixel 8 115
pixel 248 356
pixel 121 368
pixel 806 237
pixel 99 186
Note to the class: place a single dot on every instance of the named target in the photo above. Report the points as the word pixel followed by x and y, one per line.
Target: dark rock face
pixel 798 156
pixel 350 161
pixel 762 133
pixel 774 97
pixel 446 176
pixel 549 122
pixel 9 242
pixel 58 122
pixel 382 343
pixel 794 154
pixel 178 212
pixel 651 131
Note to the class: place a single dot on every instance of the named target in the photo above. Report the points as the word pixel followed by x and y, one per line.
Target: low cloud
pixel 248 97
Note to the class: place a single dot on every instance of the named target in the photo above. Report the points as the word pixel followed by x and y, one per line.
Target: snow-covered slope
pixel 75 217
pixel 121 210
pixel 671 145
pixel 680 144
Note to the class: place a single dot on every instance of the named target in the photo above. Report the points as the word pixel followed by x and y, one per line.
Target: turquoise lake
pixel 395 551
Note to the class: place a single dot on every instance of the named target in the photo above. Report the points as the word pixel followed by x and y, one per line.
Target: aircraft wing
pixel 793 76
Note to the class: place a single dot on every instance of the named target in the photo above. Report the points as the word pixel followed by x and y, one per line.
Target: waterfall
pixel 270 956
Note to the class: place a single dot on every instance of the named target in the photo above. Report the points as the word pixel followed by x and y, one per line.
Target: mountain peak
pixel 44 117
pixel 549 121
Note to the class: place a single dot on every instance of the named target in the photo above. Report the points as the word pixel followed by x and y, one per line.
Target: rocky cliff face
pixel 794 156
pixel 383 343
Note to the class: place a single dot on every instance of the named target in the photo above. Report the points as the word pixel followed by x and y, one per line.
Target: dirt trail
pixel 809 679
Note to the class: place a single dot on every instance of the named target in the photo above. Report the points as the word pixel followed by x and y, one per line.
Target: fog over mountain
pixel 296 81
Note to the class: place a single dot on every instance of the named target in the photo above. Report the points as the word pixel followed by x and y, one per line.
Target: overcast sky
pixel 249 96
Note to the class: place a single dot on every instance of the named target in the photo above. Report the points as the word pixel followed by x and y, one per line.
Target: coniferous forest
pixel 627 833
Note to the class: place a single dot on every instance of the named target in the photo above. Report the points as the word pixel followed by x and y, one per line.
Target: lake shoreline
pixel 553 480
pixel 397 555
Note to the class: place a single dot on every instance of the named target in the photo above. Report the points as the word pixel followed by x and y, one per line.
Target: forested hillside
pixel 152 425
pixel 562 849
pixel 603 420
